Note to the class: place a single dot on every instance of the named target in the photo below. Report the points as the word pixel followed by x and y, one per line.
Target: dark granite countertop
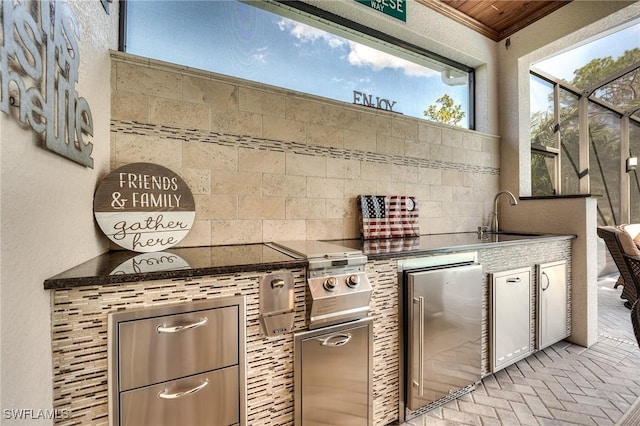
pixel 117 267
pixel 442 243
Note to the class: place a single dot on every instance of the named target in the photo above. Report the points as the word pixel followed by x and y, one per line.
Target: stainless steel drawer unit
pixel 178 364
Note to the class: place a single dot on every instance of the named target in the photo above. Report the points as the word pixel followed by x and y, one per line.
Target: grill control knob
pixel 353 281
pixel 330 284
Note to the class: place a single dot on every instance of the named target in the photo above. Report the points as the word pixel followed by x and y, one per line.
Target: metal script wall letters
pixel 360 98
pixel 39 61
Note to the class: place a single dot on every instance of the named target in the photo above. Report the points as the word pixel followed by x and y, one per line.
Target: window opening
pixel 596 123
pixel 299 47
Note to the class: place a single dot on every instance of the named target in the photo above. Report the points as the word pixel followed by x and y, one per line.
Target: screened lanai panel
pixel 570 141
pixel 622 93
pixel 542 115
pixel 542 166
pixel 604 73
pixel 604 162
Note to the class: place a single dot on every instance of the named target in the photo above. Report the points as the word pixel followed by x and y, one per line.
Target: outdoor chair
pixel 619 243
pixel 634 266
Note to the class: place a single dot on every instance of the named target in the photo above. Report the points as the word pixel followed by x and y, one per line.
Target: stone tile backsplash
pixel 267 163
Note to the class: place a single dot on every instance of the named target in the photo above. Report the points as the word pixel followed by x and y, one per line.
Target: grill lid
pixel 314 249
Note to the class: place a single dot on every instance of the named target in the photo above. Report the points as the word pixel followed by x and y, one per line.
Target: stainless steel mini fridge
pixel 443 332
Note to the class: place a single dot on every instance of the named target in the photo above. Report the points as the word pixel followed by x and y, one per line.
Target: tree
pixel 624 91
pixel 447 113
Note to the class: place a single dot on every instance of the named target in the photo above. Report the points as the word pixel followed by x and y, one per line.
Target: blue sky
pixel 564 64
pixel 247 42
pixel 615 44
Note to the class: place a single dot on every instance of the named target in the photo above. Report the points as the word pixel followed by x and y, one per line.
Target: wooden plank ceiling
pixel 496 19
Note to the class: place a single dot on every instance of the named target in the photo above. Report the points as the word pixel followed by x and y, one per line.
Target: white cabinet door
pixel 552 303
pixel 511 317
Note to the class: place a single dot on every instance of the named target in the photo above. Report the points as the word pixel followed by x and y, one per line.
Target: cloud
pixel 359 54
pixel 306 33
pixel 365 56
pixel 261 54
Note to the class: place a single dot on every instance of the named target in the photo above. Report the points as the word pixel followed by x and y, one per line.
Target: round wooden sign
pixel 144 207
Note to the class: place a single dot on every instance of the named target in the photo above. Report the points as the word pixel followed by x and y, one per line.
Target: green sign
pixel 394 8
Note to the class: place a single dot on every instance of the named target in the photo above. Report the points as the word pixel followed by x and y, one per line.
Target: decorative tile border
pixel 248 142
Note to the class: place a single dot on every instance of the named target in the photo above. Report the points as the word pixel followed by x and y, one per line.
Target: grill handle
pixel 330 341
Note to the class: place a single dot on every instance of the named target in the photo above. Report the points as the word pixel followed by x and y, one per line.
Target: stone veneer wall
pixel 266 163
pixel 384 310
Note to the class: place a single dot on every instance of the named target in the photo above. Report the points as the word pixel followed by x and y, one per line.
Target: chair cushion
pixel 633 229
pixel 628 238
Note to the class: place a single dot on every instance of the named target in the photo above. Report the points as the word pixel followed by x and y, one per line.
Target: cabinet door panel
pixel 511 317
pixel 552 303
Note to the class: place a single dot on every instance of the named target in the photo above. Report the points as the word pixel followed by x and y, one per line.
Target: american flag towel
pixel 388 216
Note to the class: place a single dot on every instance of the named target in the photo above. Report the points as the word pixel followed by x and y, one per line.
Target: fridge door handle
pixel 420 384
pixel 544 274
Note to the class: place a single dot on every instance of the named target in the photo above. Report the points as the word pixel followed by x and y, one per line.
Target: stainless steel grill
pixel 338 289
pixel 333 378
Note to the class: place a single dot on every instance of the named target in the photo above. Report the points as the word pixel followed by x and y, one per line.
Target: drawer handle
pixel 165 395
pixel 513 280
pixel 330 341
pixel 176 328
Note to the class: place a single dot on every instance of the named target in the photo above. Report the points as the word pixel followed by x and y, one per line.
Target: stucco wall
pixel 47 221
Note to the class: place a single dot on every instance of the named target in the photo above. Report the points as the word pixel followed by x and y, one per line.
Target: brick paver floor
pixel 564 384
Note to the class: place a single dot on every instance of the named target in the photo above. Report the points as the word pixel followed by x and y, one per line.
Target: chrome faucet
pixel 494 221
